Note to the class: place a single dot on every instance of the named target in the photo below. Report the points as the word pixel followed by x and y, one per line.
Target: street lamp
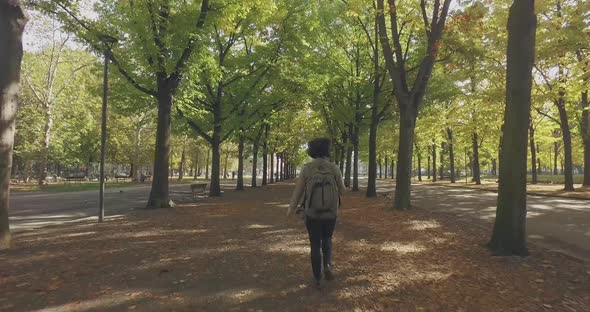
pixel 109 42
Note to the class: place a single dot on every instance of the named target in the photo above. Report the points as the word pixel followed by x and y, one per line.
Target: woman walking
pixel 318 190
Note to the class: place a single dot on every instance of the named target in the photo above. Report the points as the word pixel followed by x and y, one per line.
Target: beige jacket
pixel 299 192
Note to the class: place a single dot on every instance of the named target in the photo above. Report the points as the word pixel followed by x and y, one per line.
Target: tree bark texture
pixel 348 174
pixel 240 182
pixel 568 171
pixel 451 154
pixel 442 161
pixel 272 171
pixel 12 24
pixel 476 166
pixel 265 155
pixel 159 196
pixel 182 165
pixel 404 160
pixel 533 153
pixel 585 127
pixel 434 173
pixel 255 163
pixel 509 234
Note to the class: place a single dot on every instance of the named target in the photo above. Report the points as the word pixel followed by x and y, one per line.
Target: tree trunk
pixel 181 166
pixel 494 167
pixel 265 155
pixel 404 160
pixel 380 168
pixel 355 174
pixel 285 167
pixel 240 182
pixel 509 235
pixel 419 165
pixel 442 161
pixel 451 154
pixel 433 162
pixel 215 186
pixel 555 157
pixel 476 167
pixel 386 169
pixel 567 144
pixel 349 147
pixel 272 164
pixel 45 144
pixel 136 155
pixel 372 182
pixel 12 24
pixel 255 163
pixel 225 173
pixel 197 172
pixel 278 170
pixel 392 167
pixel 428 161
pixel 159 197
pixel 342 158
pixel 585 129
pixel 533 153
pixel 207 165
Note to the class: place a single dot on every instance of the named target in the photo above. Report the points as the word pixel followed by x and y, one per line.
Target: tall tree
pixel 509 234
pixel 12 24
pixel 409 97
pixel 157 64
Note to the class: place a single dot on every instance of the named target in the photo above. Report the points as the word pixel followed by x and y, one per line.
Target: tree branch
pixel 193 125
pixel 548 116
pixel 176 76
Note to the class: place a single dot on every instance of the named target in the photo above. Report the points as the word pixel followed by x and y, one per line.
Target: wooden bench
pixel 78 179
pixel 199 189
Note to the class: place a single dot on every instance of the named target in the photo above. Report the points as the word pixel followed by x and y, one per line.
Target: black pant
pixel 320 236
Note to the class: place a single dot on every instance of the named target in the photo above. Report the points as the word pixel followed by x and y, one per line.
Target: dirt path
pixel 238 253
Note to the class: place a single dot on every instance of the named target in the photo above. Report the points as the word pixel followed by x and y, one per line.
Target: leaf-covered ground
pixel 239 253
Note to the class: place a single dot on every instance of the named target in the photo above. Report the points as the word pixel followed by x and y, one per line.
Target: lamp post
pixel 109 42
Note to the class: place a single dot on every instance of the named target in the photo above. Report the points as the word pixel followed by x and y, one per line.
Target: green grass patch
pixel 70 187
pixel 87 186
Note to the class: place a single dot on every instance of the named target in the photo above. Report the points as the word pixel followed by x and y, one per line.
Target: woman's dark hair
pixel 319 148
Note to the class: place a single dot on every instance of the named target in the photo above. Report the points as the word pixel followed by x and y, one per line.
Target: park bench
pixel 119 177
pixel 199 189
pixel 75 178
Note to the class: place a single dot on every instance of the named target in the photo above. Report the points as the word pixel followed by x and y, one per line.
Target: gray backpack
pixel 321 192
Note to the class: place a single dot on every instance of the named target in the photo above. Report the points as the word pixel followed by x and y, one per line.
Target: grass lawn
pixel 80 186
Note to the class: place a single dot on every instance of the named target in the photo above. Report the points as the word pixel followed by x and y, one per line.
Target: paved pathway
pixel 33 210
pixel 557 223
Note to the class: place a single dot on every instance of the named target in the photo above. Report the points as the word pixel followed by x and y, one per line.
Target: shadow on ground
pixel 239 253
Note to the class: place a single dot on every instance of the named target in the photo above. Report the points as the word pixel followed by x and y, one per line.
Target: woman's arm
pixel 297 194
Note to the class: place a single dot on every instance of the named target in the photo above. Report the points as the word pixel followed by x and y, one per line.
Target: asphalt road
pixel 557 223
pixel 553 222
pixel 29 211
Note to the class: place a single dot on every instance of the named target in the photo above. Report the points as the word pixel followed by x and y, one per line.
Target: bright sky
pixel 40 29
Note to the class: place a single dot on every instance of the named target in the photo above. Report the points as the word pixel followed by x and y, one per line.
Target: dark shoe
pixel 316 283
pixel 328 273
